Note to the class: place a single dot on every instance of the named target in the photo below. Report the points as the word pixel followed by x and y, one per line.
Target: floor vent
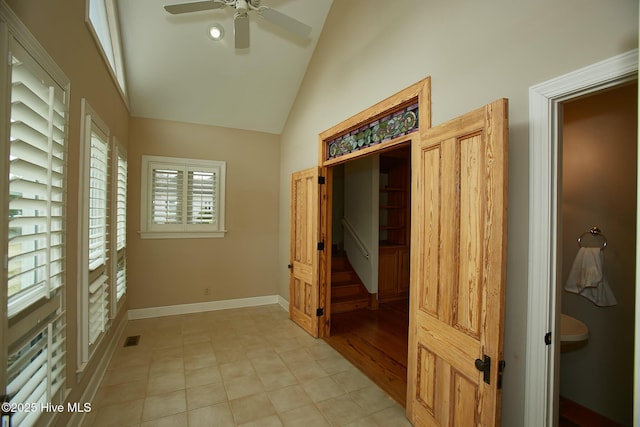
pixel 131 341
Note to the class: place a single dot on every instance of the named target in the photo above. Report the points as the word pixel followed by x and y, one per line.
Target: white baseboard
pixel 283 303
pixel 199 307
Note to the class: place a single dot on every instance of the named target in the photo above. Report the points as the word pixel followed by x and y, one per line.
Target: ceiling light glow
pixel 216 32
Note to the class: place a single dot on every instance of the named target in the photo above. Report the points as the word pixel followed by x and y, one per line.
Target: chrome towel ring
pixel 595 232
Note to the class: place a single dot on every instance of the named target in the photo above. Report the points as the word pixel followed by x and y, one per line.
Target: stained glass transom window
pixel 393 125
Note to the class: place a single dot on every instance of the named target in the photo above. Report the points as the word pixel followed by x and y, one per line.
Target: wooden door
pixel 458 259
pixel 303 260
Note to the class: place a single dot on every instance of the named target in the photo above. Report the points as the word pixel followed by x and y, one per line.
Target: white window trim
pixel 147 232
pixel 89 120
pixel 117 74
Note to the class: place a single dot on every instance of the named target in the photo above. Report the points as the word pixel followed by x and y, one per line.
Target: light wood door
pixel 458 258
pixel 303 259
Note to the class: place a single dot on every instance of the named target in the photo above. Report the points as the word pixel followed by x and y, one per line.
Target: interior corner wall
pixel 475 52
pixel 59 26
pixel 164 272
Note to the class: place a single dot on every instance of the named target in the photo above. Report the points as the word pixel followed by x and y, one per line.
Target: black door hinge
pixel 321 246
pixel 547 338
pixel 320 312
pixel 321 180
pixel 484 365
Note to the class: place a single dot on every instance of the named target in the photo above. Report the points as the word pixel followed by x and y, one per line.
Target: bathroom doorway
pixel 542 377
pixel 597 204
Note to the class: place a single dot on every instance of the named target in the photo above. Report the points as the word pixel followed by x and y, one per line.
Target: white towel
pixel 587 278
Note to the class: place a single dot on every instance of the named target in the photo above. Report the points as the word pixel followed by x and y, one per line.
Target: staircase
pixel 347 291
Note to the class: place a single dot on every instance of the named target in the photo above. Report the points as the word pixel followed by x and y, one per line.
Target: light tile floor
pixel 241 367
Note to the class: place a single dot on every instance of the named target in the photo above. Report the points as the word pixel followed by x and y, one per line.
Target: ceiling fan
pixel 241 17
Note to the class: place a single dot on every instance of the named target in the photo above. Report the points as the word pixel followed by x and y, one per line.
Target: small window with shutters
pixel 182 198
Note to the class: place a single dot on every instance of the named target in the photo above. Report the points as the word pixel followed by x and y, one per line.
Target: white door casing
pixel 544 103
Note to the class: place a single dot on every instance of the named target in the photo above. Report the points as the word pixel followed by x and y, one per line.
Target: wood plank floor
pixel 573 414
pixel 376 341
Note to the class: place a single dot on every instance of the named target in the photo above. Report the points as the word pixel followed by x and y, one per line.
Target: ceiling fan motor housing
pixel 241 6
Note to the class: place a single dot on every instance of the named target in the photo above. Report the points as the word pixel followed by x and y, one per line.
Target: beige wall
pixel 164 272
pixel 75 52
pixel 475 52
pixel 599 189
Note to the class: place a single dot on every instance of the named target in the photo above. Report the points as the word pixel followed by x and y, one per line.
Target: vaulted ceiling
pixel 175 71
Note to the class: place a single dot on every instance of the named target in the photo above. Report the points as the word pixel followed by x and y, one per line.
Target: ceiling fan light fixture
pixel 216 32
pixel 241 18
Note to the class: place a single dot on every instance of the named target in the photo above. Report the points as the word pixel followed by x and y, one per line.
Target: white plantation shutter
pixel 121 203
pixel 98 288
pixel 36 184
pixel 95 219
pixel 98 171
pixel 166 195
pixel 202 197
pixel 36 369
pixel 121 277
pixel 182 197
pixel 35 245
pixel 120 270
pixel 98 307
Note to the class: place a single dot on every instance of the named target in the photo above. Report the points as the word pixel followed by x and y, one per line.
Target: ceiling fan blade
pixel 284 21
pixel 176 9
pixel 241 30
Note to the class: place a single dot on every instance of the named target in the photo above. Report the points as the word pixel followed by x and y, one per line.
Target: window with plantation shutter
pixel 95 277
pixel 36 187
pixel 201 190
pixel 121 202
pixel 98 201
pixel 33 194
pixel 120 168
pixel 166 196
pixel 36 369
pixel 182 197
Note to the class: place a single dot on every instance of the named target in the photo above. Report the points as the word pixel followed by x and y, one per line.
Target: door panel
pixel 303 277
pixel 458 260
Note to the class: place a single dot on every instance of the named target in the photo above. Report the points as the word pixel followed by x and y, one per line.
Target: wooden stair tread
pixel 359 296
pixel 347 291
pixel 344 276
pixel 344 283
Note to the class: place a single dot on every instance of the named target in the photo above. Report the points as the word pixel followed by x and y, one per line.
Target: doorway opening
pixel 545 232
pixel 371 228
pixel 597 204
